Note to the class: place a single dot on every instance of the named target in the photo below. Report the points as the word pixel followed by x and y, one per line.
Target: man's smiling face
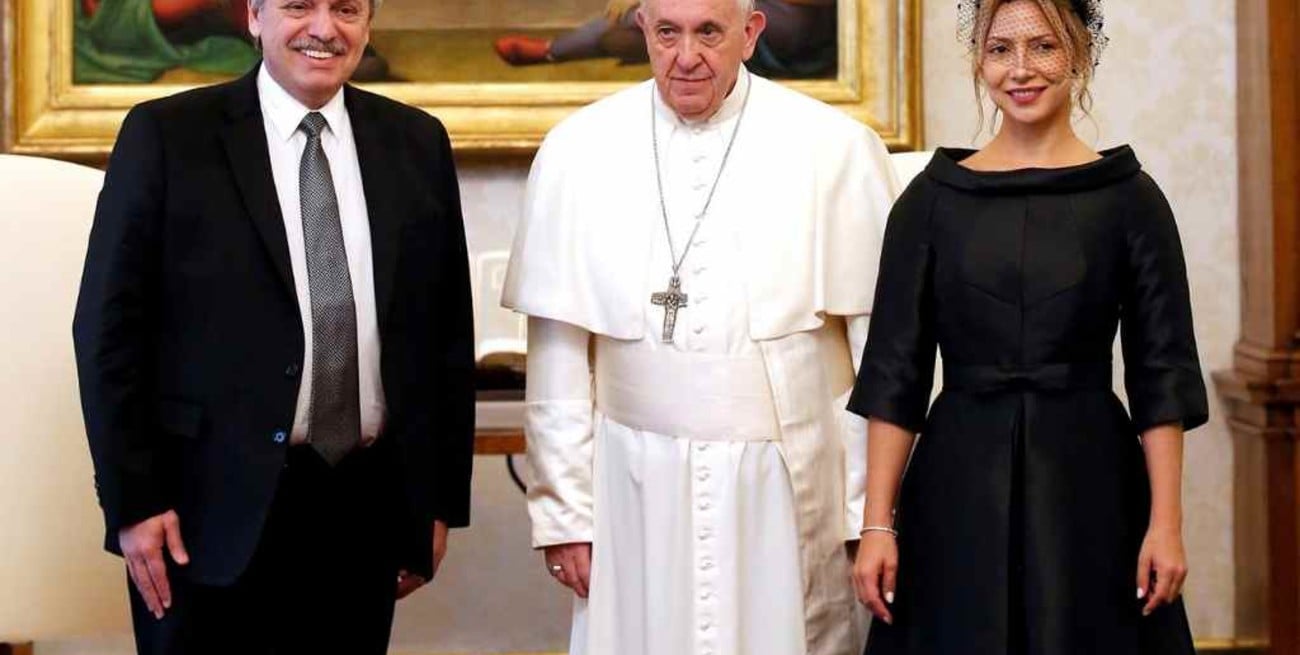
pixel 311 47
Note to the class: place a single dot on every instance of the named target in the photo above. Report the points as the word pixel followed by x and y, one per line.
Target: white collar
pixel 730 105
pixel 286 113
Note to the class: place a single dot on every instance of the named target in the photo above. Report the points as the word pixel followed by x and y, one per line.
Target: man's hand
pixel 570 564
pixel 408 582
pixel 142 547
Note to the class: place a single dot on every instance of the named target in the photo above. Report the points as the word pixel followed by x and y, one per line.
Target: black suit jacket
pixel 189 336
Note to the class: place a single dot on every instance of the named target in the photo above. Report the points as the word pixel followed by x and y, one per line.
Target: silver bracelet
pixel 877 528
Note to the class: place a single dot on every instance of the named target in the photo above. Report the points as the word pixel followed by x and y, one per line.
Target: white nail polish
pixel 889 597
pixel 1142 593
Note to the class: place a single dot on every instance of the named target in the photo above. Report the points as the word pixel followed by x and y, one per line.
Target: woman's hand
pixel 1162 568
pixel 874 573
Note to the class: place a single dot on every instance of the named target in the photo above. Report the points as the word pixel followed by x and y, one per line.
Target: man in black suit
pixel 275 349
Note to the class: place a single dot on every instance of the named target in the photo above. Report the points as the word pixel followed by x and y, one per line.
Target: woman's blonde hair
pixel 1068 28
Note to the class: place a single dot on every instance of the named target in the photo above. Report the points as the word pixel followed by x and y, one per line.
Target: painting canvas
pixel 498 72
pixel 145 41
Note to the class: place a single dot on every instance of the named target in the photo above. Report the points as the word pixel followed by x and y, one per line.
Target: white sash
pixel 701 396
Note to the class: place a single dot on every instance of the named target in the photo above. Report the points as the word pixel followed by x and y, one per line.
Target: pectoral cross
pixel 671 300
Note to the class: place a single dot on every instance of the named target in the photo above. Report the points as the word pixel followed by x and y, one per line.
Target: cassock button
pixel 279 436
pixel 699 330
pixel 292 370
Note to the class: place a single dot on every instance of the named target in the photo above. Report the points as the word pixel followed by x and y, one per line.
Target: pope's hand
pixel 570 564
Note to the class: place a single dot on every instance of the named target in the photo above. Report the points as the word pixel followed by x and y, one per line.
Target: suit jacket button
pixel 279 436
pixel 292 370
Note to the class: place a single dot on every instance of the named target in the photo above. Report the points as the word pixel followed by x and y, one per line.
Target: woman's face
pixel 1025 66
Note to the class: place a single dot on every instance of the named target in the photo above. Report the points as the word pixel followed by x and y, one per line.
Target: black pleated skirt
pixel 1020 520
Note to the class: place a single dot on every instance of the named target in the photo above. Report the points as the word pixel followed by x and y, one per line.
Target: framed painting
pixel 499 73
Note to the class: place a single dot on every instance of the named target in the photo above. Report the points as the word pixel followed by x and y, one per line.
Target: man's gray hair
pixel 374 4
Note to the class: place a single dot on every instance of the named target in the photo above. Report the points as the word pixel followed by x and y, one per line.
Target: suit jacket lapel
pixel 244 136
pixel 376 148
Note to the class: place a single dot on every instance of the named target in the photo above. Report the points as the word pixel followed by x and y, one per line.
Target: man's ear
pixel 754 26
pixel 255 23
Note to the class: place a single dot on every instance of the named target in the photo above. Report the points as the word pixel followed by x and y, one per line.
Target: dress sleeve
pixel 897 371
pixel 1162 373
pixel 558 429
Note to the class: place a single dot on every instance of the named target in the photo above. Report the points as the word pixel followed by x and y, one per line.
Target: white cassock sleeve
pixel 855 439
pixel 872 187
pixel 558 428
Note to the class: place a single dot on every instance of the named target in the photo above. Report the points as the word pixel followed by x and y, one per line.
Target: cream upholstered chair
pixel 55 580
pixel 908 165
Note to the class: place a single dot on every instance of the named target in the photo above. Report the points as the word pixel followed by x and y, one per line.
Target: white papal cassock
pixel 709 473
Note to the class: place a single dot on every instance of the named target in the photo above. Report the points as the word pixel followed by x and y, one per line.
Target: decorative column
pixel 1261 393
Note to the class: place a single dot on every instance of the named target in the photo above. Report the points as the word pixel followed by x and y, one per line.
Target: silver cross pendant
pixel 671 300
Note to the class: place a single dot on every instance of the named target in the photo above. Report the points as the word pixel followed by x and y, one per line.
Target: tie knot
pixel 312 124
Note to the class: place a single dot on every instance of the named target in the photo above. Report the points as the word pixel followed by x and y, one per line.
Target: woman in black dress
pixel 1036 515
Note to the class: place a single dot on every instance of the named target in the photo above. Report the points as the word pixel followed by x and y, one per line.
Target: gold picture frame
pixel 878 82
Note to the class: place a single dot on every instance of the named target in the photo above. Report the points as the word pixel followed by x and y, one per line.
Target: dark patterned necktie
pixel 334 417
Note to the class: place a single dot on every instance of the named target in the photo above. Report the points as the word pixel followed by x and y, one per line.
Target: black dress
pixel 1026 500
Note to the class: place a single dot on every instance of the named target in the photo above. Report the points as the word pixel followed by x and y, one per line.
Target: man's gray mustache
pixel 332 47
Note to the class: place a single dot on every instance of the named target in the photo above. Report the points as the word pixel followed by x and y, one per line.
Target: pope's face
pixel 311 47
pixel 1025 66
pixel 696 48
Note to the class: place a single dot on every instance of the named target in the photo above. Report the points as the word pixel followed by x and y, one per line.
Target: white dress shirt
pixel 282 114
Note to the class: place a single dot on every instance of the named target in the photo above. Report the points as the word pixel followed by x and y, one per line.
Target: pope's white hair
pixel 374 4
pixel 746 6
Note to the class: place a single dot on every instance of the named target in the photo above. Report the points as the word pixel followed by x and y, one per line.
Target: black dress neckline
pixel 1116 164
